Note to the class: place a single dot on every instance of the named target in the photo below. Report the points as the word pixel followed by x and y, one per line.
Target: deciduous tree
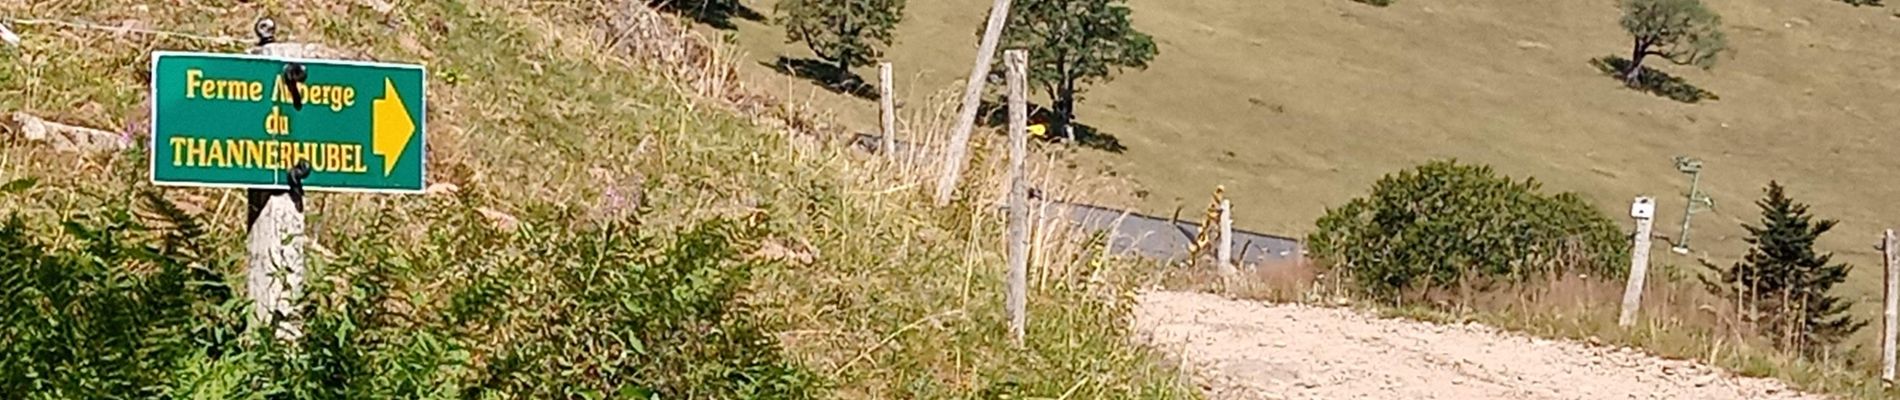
pixel 1074 43
pixel 847 33
pixel 1684 32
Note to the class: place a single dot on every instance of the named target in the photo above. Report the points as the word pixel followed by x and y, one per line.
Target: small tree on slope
pixel 1072 43
pixel 1683 32
pixel 1783 285
pixel 847 33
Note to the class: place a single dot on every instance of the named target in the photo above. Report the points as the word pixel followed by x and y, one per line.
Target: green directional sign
pixel 227 120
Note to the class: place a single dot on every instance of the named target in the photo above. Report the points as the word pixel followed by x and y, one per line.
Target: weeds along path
pixel 1252 350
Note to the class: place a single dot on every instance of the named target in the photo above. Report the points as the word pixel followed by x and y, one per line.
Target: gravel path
pixel 1252 350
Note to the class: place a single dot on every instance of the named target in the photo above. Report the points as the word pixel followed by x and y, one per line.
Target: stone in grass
pixel 66 137
pixel 8 36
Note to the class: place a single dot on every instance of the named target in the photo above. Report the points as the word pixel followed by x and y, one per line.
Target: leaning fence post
pixel 1890 248
pixel 1224 251
pixel 1017 298
pixel 972 99
pixel 1644 210
pixel 887 109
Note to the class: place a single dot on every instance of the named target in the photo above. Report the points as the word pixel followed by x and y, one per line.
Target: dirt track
pixel 1251 350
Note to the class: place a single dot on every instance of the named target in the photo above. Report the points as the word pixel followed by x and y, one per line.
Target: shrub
pixel 120 304
pixel 1442 224
pixel 556 309
pixel 107 306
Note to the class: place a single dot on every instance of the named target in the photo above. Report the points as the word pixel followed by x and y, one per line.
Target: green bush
pixel 105 307
pixel 572 311
pixel 1443 224
pixel 120 305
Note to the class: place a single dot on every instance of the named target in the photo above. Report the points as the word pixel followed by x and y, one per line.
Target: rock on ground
pixel 65 137
pixel 1251 350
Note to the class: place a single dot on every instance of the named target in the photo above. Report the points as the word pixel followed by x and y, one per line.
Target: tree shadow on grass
pixel 717 13
pixel 996 115
pixel 824 74
pixel 1654 81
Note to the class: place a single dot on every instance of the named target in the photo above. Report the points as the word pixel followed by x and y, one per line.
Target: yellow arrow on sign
pixel 390 127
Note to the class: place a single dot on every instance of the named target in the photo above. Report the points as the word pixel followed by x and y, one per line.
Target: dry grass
pixel 1296 106
pixel 1079 293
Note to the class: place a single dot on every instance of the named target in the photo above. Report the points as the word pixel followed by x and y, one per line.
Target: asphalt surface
pixel 1146 235
pixel 1165 240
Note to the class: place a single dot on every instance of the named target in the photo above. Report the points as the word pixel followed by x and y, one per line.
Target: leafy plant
pixel 18 185
pixel 615 310
pixel 124 302
pixel 1785 285
pixel 109 305
pixel 1443 224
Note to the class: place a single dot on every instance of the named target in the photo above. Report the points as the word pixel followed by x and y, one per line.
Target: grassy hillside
pixel 557 119
pixel 1297 106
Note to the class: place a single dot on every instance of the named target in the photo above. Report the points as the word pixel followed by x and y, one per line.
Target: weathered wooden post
pixel 274 262
pixel 1224 251
pixel 887 109
pixel 274 265
pixel 1017 300
pixel 1644 210
pixel 972 100
pixel 1890 248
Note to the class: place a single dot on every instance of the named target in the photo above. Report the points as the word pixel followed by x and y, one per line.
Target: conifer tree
pixel 1782 285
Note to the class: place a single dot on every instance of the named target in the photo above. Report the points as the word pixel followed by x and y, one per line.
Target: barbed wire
pixel 122 29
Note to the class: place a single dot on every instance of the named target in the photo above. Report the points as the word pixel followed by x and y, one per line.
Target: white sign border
pixel 151 150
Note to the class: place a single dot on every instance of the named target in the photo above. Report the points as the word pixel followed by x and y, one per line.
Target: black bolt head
pixel 266 30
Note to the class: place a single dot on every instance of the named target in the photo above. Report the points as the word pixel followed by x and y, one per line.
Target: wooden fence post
pixel 972 99
pixel 275 262
pixel 1224 251
pixel 1890 248
pixel 1018 296
pixel 887 109
pixel 1644 210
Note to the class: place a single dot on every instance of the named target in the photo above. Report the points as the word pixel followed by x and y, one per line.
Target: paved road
pixel 1166 240
pixel 1147 235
